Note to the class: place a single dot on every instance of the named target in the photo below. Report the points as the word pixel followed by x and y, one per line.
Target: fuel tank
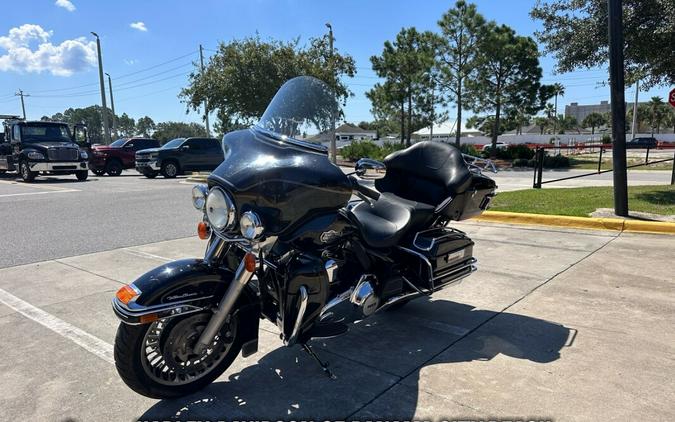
pixel 285 183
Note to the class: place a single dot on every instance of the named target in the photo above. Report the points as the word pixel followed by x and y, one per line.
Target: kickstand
pixel 324 366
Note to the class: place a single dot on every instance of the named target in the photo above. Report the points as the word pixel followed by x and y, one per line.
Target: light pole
pixel 112 106
pixel 206 108
pixel 106 128
pixel 333 146
pixel 616 69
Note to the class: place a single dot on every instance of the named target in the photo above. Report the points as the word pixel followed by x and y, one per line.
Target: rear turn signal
pixel 125 294
pixel 249 262
pixel 203 230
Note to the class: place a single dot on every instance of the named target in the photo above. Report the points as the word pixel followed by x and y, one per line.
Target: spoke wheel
pixel 167 352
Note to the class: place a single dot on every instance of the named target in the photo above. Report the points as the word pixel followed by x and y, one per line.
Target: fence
pixel 540 154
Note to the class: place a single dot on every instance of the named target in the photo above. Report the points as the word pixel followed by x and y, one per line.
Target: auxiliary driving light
pixel 199 193
pixel 250 225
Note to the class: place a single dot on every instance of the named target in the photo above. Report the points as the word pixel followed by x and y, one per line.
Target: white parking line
pixel 146 255
pixel 83 339
pixel 38 193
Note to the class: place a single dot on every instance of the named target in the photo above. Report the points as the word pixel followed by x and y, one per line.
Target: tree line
pixel 126 125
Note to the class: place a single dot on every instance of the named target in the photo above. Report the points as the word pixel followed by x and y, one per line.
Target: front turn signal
pixel 126 293
pixel 203 230
pixel 249 262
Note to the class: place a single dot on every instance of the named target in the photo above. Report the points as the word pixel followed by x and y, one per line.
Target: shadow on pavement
pixel 285 383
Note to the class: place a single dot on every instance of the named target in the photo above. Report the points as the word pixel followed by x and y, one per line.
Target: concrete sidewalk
pixel 556 324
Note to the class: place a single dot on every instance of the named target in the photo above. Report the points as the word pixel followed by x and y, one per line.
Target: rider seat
pixel 416 187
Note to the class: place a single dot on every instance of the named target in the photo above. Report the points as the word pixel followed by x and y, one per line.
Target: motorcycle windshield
pixel 302 112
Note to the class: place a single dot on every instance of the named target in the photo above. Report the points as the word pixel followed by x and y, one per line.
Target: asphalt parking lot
pixel 59 216
pixel 556 324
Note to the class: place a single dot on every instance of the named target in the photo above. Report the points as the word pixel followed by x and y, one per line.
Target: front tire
pixel 113 168
pixel 27 175
pixel 150 174
pixel 156 360
pixel 82 175
pixel 169 169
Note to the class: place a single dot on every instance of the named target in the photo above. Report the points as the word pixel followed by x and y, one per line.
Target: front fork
pixel 242 276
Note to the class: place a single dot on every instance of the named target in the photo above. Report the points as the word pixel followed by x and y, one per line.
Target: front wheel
pixel 157 360
pixel 169 170
pixel 150 174
pixel 26 174
pixel 82 175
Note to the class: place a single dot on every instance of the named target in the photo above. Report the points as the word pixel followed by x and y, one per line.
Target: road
pixel 58 217
pixel 509 180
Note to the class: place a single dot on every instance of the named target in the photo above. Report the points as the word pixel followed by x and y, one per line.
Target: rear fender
pixel 183 287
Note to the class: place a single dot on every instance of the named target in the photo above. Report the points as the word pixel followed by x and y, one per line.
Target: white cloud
pixel 130 62
pixel 27 49
pixel 139 25
pixel 66 4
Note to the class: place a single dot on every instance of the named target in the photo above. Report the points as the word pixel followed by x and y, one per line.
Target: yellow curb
pixel 615 224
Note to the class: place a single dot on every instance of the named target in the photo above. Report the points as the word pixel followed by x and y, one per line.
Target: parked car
pixel 119 155
pixel 645 142
pixel 500 145
pixel 179 156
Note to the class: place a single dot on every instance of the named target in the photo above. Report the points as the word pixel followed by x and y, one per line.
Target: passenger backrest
pixel 427 172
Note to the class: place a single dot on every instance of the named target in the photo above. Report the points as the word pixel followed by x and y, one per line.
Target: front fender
pixel 177 288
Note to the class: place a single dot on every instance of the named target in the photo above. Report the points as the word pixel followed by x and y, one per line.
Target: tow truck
pixel 32 148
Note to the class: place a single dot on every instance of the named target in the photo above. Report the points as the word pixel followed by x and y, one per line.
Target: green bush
pixel 556 161
pixel 469 150
pixel 522 162
pixel 368 149
pixel 520 151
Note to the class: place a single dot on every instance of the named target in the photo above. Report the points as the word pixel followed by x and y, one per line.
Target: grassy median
pixel 581 202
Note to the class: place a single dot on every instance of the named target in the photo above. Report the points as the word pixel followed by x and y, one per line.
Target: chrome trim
pixel 431 279
pixel 337 300
pixel 49 166
pixel 129 314
pixel 331 267
pixel 301 315
pixel 241 278
pixel 424 259
pixel 255 224
pixel 214 251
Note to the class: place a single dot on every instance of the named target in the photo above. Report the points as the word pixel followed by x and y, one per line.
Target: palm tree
pixel 593 120
pixel 657 113
pixel 542 123
pixel 558 89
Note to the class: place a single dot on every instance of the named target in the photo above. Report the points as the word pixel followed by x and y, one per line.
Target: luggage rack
pixel 451 276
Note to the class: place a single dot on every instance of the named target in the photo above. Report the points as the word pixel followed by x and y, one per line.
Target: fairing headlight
pixel 199 193
pixel 250 225
pixel 34 155
pixel 219 209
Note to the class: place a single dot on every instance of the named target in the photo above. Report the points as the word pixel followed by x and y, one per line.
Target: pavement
pixel 555 324
pixel 59 216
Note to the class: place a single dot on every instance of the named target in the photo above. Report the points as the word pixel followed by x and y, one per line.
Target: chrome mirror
pixel 365 164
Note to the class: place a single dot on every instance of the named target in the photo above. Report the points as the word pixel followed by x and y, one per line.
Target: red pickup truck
pixel 119 155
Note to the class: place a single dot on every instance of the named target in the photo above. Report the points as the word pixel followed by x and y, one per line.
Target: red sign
pixel 671 97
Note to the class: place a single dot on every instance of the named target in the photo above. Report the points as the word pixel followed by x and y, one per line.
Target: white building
pixel 444 132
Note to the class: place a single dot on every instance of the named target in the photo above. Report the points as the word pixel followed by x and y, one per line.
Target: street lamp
pixel 333 146
pixel 106 129
pixel 112 106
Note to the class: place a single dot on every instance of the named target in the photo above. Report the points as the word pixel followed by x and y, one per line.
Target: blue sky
pixel 46 47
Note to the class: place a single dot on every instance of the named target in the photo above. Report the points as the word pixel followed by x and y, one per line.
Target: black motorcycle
pixel 287 242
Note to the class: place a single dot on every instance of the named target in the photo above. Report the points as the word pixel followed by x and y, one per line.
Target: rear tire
pixel 113 168
pixel 133 342
pixel 170 169
pixel 82 175
pixel 27 175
